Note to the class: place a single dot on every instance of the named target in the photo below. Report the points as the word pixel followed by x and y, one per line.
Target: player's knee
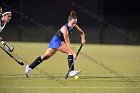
pixel 69 52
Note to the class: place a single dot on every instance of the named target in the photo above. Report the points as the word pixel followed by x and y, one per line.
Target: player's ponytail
pixel 72 15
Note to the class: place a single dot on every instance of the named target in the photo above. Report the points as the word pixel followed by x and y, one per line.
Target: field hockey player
pixel 5 17
pixel 61 42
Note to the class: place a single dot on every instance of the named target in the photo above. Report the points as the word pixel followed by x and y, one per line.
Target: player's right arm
pixel 66 39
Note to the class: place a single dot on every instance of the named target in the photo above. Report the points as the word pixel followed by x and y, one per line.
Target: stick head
pixel 21 63
pixel 11 49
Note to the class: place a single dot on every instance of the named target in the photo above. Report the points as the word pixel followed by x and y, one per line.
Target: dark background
pixel 103 21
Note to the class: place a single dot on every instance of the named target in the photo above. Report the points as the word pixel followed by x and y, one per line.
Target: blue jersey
pixel 70 29
pixel 57 39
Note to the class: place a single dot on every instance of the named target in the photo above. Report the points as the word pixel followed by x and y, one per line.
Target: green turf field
pixel 105 69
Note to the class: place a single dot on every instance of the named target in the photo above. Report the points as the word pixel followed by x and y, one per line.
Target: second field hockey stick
pixel 6 46
pixel 73 62
pixel 21 63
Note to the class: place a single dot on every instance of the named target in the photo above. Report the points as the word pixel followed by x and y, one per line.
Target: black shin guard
pixel 70 61
pixel 35 63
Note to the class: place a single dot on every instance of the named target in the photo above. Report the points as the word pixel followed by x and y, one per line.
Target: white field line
pixel 70 87
pixel 64 76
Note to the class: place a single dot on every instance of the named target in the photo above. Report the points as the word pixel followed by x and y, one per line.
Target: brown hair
pixel 72 15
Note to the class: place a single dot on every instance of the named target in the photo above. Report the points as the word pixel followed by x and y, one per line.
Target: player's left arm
pixel 78 29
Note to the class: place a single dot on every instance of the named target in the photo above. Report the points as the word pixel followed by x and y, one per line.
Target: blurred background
pixel 103 21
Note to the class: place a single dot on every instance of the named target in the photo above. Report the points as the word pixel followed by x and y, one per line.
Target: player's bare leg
pixel 49 52
pixel 63 48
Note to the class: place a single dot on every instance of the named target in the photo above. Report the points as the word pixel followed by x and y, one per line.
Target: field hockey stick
pixel 73 62
pixel 21 63
pixel 6 46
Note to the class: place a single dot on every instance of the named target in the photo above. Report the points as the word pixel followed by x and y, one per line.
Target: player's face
pixel 7 17
pixel 73 22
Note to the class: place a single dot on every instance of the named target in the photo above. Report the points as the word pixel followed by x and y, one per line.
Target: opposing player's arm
pixel 82 34
pixel 0 38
